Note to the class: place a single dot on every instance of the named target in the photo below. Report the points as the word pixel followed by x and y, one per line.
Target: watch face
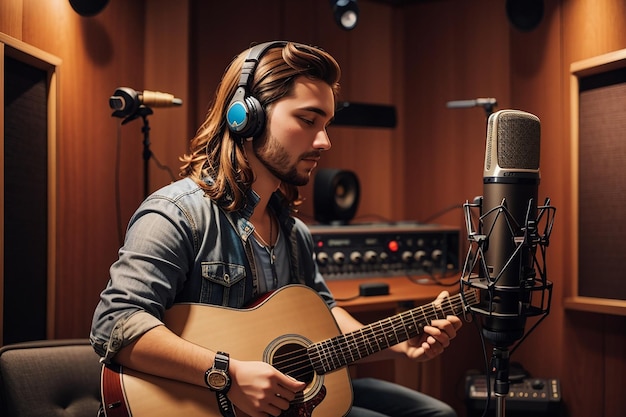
pixel 217 380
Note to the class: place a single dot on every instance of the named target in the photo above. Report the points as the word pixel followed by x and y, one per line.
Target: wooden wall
pixel 93 64
pixel 417 57
pixel 594 354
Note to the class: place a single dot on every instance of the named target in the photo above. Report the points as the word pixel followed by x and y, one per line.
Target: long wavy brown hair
pixel 217 153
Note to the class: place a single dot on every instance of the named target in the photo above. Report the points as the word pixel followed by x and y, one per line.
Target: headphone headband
pixel 252 61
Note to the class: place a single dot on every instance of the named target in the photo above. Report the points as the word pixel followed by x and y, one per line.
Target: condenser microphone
pixel 509 206
pixel 125 101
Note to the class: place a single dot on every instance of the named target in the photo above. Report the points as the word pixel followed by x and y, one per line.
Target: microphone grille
pixel 516 136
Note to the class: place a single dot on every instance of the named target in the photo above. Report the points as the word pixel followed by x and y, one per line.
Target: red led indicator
pixel 320 244
pixel 393 246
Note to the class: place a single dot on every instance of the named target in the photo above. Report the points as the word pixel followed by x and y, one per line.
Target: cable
pixel 118 202
pixel 118 208
pixel 163 167
pixel 441 213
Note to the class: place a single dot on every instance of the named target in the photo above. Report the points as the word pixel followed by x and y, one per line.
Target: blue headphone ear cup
pixel 237 112
pixel 245 115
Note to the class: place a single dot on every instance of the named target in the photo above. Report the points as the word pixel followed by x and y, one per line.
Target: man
pixel 224 235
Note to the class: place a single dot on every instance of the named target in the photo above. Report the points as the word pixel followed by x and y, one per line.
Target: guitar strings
pixel 333 353
pixel 360 341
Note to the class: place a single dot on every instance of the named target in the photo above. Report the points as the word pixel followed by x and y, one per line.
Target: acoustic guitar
pixel 293 330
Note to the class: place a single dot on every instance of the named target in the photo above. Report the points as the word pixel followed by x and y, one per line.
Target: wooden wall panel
pixel 98 54
pixel 462 56
pixel 593 353
pixel 167 68
pixel 11 18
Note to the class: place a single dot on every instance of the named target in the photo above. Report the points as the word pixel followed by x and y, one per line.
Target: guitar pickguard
pixel 305 409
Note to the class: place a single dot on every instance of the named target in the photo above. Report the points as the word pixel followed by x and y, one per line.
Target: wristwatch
pixel 216 377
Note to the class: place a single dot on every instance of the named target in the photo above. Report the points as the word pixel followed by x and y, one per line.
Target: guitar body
pixel 285 323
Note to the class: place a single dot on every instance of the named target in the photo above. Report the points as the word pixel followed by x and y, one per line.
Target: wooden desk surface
pixel 401 290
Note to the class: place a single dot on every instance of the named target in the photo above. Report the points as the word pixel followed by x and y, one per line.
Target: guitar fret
pixel 426 321
pixel 443 311
pixel 380 339
pixel 383 332
pixel 338 352
pixel 343 347
pixel 331 353
pixel 353 347
pixel 325 364
pixel 394 328
pixel 434 307
pixel 404 328
pixel 367 346
pixel 334 353
pixel 411 327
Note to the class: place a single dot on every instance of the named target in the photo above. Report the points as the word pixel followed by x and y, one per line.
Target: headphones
pixel 245 115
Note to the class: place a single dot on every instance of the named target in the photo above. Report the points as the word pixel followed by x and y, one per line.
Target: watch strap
pixel 226 407
pixel 220 364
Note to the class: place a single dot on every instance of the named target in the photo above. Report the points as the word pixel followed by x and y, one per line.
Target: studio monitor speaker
pixel 336 196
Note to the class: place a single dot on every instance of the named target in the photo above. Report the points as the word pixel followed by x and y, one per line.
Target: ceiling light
pixel 346 13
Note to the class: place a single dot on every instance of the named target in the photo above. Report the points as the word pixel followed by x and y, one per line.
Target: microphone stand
pixel 144 112
pixel 500 358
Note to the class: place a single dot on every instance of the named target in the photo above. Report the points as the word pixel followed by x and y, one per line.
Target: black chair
pixel 49 378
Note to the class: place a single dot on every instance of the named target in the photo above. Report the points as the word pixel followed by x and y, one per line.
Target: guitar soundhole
pixel 289 355
pixel 292 359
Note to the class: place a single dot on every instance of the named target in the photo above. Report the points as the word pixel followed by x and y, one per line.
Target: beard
pixel 277 160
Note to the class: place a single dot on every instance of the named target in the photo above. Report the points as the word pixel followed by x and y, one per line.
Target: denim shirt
pixel 181 247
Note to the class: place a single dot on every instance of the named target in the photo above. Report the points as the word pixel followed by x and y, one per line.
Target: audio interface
pixel 530 396
pixel 385 249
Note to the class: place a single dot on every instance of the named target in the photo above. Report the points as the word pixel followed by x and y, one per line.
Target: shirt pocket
pixel 223 273
pixel 223 283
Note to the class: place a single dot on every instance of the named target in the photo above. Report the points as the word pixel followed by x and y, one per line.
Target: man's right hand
pixel 259 389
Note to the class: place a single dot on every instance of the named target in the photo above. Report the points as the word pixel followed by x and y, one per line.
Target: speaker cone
pixel 336 196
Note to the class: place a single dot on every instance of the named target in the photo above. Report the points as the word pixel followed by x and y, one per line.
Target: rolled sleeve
pixel 124 332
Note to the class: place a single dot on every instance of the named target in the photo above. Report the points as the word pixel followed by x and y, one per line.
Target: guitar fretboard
pixel 342 350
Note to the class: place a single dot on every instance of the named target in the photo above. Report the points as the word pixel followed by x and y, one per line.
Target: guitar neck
pixel 337 352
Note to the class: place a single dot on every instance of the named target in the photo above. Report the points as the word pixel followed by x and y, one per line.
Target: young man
pixel 224 235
